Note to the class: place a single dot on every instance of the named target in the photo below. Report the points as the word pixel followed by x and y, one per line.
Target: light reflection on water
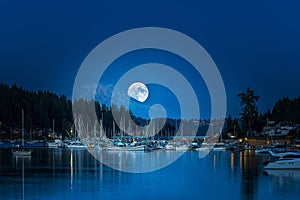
pixel 138 161
pixel 73 174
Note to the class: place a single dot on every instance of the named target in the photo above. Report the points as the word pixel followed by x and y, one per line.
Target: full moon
pixel 138 91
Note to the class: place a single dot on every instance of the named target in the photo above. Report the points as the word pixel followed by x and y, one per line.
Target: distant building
pixel 280 129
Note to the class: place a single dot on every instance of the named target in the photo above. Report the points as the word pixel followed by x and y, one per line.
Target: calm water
pixel 75 174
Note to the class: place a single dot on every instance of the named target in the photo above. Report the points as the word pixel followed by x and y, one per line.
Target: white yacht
pixel 170 146
pixel 219 147
pixel 205 147
pixel 262 150
pixel 287 160
pixel 76 144
pixel 182 147
pixel 119 146
pixel 57 143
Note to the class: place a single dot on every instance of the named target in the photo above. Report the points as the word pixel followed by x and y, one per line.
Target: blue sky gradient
pixel 254 44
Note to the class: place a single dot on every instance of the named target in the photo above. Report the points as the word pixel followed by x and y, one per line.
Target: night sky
pixel 254 43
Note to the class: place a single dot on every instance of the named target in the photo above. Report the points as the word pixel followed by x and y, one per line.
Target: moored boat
pixel 57 143
pixel 182 148
pixel 76 144
pixel 205 147
pixel 287 160
pixel 219 147
pixel 170 147
pixel 262 151
pixel 20 150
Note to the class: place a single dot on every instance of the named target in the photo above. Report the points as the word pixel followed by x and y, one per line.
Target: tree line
pixel 252 121
pixel 40 109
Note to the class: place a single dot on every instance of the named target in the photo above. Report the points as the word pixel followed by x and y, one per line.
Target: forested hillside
pixel 40 108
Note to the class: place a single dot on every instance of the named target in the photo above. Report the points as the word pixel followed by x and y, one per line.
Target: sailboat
pixel 20 151
pixel 219 146
pixel 266 148
pixel 181 146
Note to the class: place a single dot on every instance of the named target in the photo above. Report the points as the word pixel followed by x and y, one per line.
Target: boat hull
pixel 219 149
pixel 141 148
pixel 284 164
pixel 22 153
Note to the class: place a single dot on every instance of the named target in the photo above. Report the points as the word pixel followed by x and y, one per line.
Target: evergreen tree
pixel 229 125
pixel 249 114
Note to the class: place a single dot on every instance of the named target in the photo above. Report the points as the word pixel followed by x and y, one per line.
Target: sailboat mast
pixel 212 134
pixel 114 130
pixel 53 132
pixel 30 135
pixel 268 131
pixel 22 128
pixel 181 130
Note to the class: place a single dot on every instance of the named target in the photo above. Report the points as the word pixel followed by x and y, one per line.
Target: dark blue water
pixel 75 174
